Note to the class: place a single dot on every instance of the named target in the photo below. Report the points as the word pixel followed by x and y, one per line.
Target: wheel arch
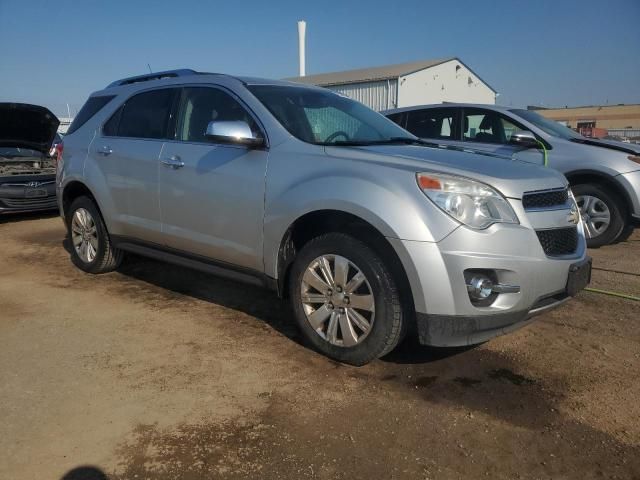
pixel 317 222
pixel 578 177
pixel 73 190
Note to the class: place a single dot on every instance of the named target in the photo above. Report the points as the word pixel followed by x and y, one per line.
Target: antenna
pixel 302 30
pixel 149 68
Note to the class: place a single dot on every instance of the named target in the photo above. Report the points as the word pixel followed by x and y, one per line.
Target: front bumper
pixel 631 183
pixel 27 193
pixel 445 314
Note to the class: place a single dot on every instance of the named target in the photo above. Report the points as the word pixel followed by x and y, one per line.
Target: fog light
pixel 480 287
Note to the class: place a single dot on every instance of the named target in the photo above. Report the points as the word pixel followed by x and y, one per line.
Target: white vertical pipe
pixel 302 30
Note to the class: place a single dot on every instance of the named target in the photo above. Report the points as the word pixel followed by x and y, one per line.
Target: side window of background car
pixel 509 128
pixel 143 116
pixel 483 126
pixel 433 123
pixel 398 118
pixel 201 105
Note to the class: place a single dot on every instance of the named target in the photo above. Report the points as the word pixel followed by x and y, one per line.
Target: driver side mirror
pixel 233 132
pixel 524 138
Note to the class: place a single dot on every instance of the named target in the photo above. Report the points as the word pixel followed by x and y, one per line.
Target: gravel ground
pixel 157 372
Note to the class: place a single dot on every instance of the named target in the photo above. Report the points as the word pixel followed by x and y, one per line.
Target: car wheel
pixel 602 216
pixel 91 248
pixel 345 299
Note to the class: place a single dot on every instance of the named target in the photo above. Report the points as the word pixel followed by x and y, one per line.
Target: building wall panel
pixel 448 82
pixel 375 95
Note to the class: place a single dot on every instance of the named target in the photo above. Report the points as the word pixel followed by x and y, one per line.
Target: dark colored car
pixel 27 172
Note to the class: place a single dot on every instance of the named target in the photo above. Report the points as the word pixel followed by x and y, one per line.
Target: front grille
pixel 45 202
pixel 28 184
pixel 545 199
pixel 558 241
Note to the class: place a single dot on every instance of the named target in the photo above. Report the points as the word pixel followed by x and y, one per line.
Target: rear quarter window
pixel 146 114
pixel 88 110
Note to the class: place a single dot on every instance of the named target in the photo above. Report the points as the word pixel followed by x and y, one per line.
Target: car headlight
pixel 472 203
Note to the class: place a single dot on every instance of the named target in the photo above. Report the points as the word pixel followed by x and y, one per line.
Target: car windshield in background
pixel 548 126
pixel 322 117
pixel 15 153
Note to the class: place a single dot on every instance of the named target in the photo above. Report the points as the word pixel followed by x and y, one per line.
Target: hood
pixel 27 126
pixel 510 177
pixel 610 144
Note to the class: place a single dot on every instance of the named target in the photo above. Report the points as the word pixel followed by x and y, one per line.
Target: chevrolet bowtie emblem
pixel 574 215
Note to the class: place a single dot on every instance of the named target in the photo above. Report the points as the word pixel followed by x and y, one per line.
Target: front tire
pixel 91 247
pixel 345 299
pixel 603 217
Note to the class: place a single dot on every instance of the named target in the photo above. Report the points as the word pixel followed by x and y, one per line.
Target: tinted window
pixel 88 110
pixel 326 118
pixel 397 118
pixel 110 129
pixel 146 115
pixel 440 123
pixel 201 105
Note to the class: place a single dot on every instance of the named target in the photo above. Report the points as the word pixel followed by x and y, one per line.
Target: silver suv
pixel 368 230
pixel 604 175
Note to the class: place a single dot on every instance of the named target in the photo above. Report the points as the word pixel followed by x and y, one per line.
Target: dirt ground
pixel 157 372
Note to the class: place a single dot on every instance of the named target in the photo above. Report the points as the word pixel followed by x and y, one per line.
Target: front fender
pixel 393 205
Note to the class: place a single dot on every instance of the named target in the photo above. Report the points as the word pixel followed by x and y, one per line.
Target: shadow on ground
pixel 25 217
pixel 174 282
pixel 85 472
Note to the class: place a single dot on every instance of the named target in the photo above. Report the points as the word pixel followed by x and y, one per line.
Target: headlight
pixel 473 203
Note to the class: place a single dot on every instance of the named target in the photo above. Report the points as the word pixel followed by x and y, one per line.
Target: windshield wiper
pixel 410 141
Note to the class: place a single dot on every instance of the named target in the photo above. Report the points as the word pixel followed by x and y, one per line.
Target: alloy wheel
pixel 337 300
pixel 84 235
pixel 595 214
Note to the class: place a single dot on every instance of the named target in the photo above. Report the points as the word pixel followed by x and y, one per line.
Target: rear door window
pixel 145 115
pixel 438 123
pixel 110 128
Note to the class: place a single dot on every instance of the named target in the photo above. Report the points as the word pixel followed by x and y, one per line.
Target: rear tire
pixel 91 247
pixel 603 216
pixel 357 315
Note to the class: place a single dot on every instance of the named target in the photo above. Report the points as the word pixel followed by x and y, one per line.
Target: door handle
pixel 173 162
pixel 105 150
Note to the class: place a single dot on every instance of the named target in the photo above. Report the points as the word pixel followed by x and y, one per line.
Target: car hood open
pixel 27 126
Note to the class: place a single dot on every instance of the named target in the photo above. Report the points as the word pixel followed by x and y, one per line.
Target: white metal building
pixel 64 124
pixel 407 84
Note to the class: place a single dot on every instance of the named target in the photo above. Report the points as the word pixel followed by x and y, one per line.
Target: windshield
pixel 323 117
pixel 14 153
pixel 546 125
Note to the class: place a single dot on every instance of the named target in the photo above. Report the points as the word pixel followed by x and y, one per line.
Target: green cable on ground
pixel 594 290
pixel 613 294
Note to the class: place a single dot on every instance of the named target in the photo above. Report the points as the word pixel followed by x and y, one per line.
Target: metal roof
pixel 369 74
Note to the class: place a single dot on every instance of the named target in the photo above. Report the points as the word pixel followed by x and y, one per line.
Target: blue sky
pixel 533 52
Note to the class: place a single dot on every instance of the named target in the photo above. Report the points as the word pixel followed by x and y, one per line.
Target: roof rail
pixel 152 76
